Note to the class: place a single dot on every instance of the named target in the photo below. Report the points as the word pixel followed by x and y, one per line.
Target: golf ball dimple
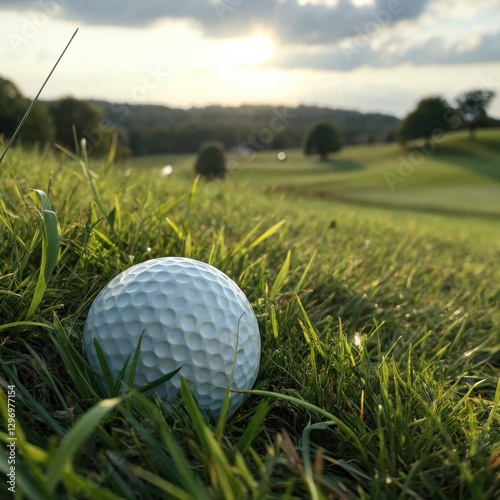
pixel 192 316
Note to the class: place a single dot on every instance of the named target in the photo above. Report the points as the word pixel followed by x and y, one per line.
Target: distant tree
pixel 10 107
pixel 322 138
pixel 38 127
pixel 390 136
pixel 156 140
pixel 85 118
pixel 430 117
pixel 472 107
pixel 211 161
pixel 280 141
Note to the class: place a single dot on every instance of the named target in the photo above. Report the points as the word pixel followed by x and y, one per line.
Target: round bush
pixel 211 161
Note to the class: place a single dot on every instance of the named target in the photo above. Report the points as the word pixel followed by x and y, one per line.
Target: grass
pixel 380 331
pixel 460 176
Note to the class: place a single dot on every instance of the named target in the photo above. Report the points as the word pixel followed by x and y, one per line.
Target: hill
pixel 160 129
pixel 458 176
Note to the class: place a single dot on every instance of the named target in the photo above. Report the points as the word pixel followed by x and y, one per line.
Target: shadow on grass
pixel 480 166
pixel 480 155
pixel 346 198
pixel 337 165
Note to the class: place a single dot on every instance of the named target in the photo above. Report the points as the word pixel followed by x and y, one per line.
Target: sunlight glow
pixel 249 51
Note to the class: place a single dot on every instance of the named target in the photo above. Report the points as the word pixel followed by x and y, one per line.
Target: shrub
pixel 211 161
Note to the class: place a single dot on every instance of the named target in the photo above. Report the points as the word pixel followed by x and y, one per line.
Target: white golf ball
pixel 191 316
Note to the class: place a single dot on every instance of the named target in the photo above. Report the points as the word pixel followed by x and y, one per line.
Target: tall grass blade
pixel 51 238
pixel 494 408
pixel 224 476
pixel 253 427
pixel 320 411
pixel 103 363
pixel 32 105
pixel 272 230
pixel 173 492
pixel 75 438
pixel 280 279
pixel 189 479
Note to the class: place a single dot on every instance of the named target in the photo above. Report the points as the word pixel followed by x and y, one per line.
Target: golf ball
pixel 192 316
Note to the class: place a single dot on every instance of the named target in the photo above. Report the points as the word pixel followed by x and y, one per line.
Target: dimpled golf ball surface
pixel 193 316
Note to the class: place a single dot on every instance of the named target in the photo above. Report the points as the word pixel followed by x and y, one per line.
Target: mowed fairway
pixel 456 175
pixel 380 327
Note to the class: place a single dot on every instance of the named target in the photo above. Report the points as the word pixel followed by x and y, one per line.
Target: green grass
pixel 460 176
pixel 380 329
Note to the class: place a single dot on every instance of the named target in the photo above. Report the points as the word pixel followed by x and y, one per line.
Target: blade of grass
pixel 280 279
pixel 103 363
pixel 267 234
pixel 75 438
pixel 17 324
pixel 152 385
pixel 50 250
pixel 253 427
pixel 32 105
pixel 182 464
pixel 320 411
pixel 172 491
pixel 494 408
pixel 221 471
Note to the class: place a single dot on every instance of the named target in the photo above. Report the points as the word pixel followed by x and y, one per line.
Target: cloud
pixel 356 53
pixel 314 34
pixel 438 51
pixel 288 20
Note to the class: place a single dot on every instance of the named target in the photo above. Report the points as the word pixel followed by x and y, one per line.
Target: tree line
pixel 150 130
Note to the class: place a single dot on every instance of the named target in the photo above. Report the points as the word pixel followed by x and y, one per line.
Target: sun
pixel 250 51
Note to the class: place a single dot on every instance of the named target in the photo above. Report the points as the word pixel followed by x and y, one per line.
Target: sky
pixel 369 55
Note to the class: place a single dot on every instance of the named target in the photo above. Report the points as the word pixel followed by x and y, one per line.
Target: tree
pixel 472 107
pixel 211 161
pixel 322 138
pixel 86 120
pixel 38 127
pixel 10 107
pixel 432 116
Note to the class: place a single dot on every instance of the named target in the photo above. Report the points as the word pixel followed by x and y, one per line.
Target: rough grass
pixel 380 334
